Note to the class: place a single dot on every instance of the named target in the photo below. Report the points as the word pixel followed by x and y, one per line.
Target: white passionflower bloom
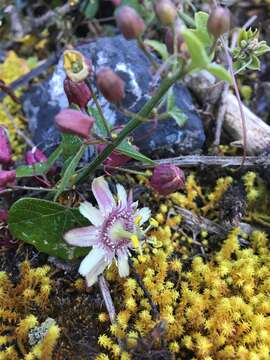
pixel 115 230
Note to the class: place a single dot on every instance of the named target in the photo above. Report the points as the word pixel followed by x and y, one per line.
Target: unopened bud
pixel 219 21
pixel 111 85
pixel 76 66
pixel 165 11
pixel 115 159
pixel 74 122
pixel 116 2
pixel 77 93
pixel 167 179
pixel 35 156
pixel 5 149
pixel 7 177
pixel 129 22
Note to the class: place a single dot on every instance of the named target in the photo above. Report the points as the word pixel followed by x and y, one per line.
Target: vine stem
pixel 131 125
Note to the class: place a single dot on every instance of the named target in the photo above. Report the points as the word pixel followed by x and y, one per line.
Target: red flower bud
pixel 74 122
pixel 35 156
pixel 5 149
pixel 129 22
pixel 111 85
pixel 77 93
pixel 165 11
pixel 3 215
pixel 115 159
pixel 7 177
pixel 167 178
pixel 219 21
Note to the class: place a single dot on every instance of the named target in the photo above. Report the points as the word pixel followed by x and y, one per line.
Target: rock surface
pixel 165 138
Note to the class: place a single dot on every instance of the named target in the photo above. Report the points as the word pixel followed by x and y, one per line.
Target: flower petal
pixel 123 266
pixel 103 195
pixel 145 213
pixel 94 261
pixel 84 236
pixel 91 213
pixel 122 195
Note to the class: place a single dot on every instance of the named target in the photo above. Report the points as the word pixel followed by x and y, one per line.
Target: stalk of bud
pixel 77 93
pixel 74 122
pixel 76 66
pixel 219 21
pixel 35 156
pixel 5 148
pixel 111 85
pixel 169 38
pixel 7 177
pixel 129 22
pixel 167 179
pixel 165 11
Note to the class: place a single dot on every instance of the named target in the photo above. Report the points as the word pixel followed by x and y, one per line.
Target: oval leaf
pixel 42 224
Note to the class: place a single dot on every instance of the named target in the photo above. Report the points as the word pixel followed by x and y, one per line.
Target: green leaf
pixel 41 168
pixel 99 126
pixel 201 19
pixel 70 171
pixel 90 8
pixel 255 63
pixel 127 149
pixel 42 224
pixel 159 47
pixel 70 144
pixel 178 115
pixel 220 72
pixel 170 99
pixel 199 57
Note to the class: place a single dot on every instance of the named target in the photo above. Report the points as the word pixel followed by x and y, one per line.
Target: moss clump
pixel 18 303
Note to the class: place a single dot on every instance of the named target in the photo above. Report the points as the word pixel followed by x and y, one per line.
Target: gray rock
pixel 165 138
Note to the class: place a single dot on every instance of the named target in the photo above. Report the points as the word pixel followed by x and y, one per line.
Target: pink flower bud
pixel 165 11
pixel 111 85
pixel 7 177
pixel 74 122
pixel 115 159
pixel 167 178
pixel 5 149
pixel 35 156
pixel 3 215
pixel 77 93
pixel 116 2
pixel 129 22
pixel 219 21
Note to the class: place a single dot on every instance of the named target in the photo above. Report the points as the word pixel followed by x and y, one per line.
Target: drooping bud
pixel 76 66
pixel 35 156
pixel 129 22
pixel 77 93
pixel 111 85
pixel 74 122
pixel 116 2
pixel 5 148
pixel 167 178
pixel 7 177
pixel 165 11
pixel 115 159
pixel 219 21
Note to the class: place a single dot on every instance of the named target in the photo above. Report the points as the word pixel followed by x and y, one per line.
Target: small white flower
pixel 114 225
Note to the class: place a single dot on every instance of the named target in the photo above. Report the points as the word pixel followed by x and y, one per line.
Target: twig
pixel 16 188
pixel 146 293
pixel 197 160
pixel 32 74
pixel 60 11
pixel 18 131
pixel 221 114
pixel 147 53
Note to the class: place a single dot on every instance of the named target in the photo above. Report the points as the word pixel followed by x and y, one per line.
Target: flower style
pixel 116 229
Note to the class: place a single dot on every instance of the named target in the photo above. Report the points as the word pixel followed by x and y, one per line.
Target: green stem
pixel 102 117
pixel 131 125
pixel 147 53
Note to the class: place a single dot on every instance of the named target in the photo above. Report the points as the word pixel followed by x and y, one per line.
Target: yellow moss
pixel 12 69
pixel 49 342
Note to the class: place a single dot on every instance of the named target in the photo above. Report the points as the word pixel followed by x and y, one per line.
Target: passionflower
pixel 116 229
pixel 76 66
